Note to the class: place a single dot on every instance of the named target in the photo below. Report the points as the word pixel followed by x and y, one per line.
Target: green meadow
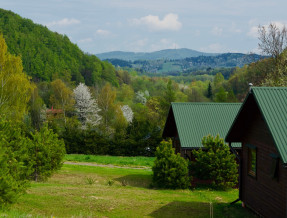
pixel 91 191
pixel 113 160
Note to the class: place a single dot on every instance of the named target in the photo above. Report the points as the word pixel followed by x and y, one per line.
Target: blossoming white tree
pixel 128 113
pixel 140 97
pixel 86 107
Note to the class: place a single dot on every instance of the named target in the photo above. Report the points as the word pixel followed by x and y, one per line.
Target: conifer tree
pixel 215 163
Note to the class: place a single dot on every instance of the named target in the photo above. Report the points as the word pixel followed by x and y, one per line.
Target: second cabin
pixel 188 123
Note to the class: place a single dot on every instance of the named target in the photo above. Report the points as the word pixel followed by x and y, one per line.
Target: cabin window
pixel 252 160
pixel 274 166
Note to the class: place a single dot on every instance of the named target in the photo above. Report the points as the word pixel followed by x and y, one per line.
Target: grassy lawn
pixel 88 191
pixel 114 160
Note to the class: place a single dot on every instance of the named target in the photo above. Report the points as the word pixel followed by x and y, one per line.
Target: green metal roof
pixel 272 102
pixel 196 120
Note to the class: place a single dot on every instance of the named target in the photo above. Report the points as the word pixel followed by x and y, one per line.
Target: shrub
pixel 13 171
pixel 169 170
pixel 215 163
pixel 46 153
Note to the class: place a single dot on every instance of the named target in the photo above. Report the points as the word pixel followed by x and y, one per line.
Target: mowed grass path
pixel 89 191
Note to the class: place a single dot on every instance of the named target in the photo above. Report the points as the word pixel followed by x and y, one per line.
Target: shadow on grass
pixel 183 209
pixel 202 209
pixel 142 181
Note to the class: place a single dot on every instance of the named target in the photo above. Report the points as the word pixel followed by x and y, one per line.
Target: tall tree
pixel 62 97
pixel 106 100
pixel 273 41
pixel 86 107
pixel 209 91
pixel 15 87
pixel 128 113
pixel 168 97
pixel 221 95
pixel 37 109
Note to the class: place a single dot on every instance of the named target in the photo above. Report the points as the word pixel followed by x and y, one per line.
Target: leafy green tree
pixel 46 153
pixel 215 163
pixel 231 97
pixel 106 100
pixel 218 80
pixel 125 94
pixel 170 170
pixel 168 97
pixel 62 97
pixel 221 95
pixel 15 87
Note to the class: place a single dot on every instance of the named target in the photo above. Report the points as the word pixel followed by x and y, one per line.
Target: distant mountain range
pixel 167 54
pixel 176 65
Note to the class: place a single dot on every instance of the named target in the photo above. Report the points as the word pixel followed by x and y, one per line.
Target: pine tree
pixel 215 163
pixel 170 170
pixel 209 91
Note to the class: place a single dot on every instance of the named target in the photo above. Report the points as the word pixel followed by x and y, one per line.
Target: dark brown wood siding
pixel 263 194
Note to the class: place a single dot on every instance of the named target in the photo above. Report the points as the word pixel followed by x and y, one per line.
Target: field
pixel 92 191
pixel 114 160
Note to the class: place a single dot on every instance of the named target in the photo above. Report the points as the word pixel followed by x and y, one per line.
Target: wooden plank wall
pixel 263 194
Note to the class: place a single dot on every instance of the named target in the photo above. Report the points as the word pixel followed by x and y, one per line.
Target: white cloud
pixel 217 31
pixel 169 22
pixel 102 32
pixel 86 40
pixel 64 22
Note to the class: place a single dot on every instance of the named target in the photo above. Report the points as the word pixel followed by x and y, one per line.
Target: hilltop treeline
pixel 46 54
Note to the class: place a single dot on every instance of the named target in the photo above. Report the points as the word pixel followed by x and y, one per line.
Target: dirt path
pixel 104 165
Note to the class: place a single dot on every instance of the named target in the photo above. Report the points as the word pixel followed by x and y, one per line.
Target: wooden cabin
pixel 261 127
pixel 187 123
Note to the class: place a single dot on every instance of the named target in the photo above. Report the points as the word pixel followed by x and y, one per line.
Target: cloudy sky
pixel 98 26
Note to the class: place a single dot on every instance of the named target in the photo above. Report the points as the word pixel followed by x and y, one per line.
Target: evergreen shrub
pixel 215 163
pixel 170 170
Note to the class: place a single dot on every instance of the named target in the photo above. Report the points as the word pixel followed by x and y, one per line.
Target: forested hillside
pixel 47 55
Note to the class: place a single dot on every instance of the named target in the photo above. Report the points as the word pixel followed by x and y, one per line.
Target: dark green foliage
pixel 46 54
pixel 46 153
pixel 13 169
pixel 215 163
pixel 140 139
pixel 209 91
pixel 170 170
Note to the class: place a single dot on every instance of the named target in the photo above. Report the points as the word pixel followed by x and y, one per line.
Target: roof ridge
pixel 218 103
pixel 266 87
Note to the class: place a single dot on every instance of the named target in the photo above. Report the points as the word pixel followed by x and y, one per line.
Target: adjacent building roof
pixel 193 121
pixel 272 103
